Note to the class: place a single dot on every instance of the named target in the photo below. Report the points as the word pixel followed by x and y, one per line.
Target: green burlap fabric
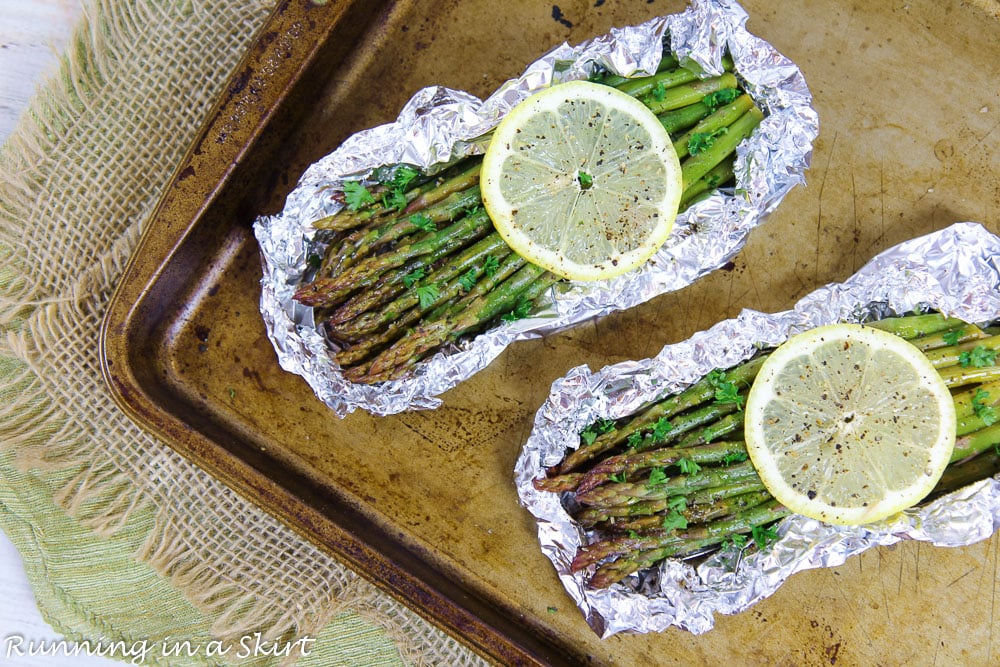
pixel 125 541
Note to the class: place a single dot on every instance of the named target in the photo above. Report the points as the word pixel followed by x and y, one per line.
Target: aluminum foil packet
pixel 440 126
pixel 955 271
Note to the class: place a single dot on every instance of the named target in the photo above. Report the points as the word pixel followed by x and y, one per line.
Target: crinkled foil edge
pixel 439 126
pixel 956 271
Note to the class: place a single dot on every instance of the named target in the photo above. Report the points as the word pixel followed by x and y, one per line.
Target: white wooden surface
pixel 32 33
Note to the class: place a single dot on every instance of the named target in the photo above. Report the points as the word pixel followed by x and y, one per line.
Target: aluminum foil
pixel 439 126
pixel 955 271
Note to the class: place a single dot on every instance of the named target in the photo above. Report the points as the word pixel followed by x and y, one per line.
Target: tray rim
pixel 239 116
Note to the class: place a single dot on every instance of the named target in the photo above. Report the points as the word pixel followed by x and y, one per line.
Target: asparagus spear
pixel 431 336
pixel 417 198
pixel 363 320
pixel 696 166
pixel 714 123
pixel 629 464
pixel 689 93
pixel 591 516
pixel 330 291
pixel 652 550
pixel 698 393
pixel 628 493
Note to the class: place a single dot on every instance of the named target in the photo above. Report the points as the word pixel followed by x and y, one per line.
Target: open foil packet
pixel 955 271
pixel 439 126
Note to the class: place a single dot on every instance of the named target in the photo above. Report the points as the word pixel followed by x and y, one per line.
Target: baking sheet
pixel 424 503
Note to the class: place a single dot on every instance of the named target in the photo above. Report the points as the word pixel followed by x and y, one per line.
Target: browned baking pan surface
pixel 423 503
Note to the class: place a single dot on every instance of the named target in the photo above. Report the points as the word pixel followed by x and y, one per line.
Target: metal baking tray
pixel 423 503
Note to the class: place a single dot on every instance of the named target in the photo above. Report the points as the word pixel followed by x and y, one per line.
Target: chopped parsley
pixel 468 279
pixel 720 98
pixel 604 425
pixel 725 391
pixel 737 541
pixel 657 476
pixel 951 337
pixel 402 177
pixel 659 91
pixel 356 195
pixel 762 536
pixel 661 428
pixel 618 478
pixel 674 520
pixel 688 467
pixel 634 440
pixel 394 200
pixel 490 266
pixel 428 295
pixel 585 179
pixel 982 409
pixel 734 457
pixel 519 312
pixel 700 142
pixel 422 222
pixel 978 357
pixel 411 278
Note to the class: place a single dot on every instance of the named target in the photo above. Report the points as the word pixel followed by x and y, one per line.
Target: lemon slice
pixel 849 424
pixel 581 179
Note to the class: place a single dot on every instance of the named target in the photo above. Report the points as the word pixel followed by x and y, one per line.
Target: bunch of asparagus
pixel 412 262
pixel 674 480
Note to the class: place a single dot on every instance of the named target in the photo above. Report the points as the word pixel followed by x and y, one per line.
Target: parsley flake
pixel 738 541
pixel 394 200
pixel 356 195
pixel 725 391
pixel 688 467
pixel 720 98
pixel 659 91
pixel 588 436
pixel 402 177
pixel 700 142
pixel 634 440
pixel 979 357
pixel 422 222
pixel 674 520
pixel 428 294
pixel 734 457
pixel 951 337
pixel 519 312
pixel 762 536
pixel 618 478
pixel 585 179
pixel 490 266
pixel 468 279
pixel 605 425
pixel 661 428
pixel 411 278
pixel 657 476
pixel 982 409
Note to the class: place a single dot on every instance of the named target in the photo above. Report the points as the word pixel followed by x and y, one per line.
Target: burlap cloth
pixel 122 538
